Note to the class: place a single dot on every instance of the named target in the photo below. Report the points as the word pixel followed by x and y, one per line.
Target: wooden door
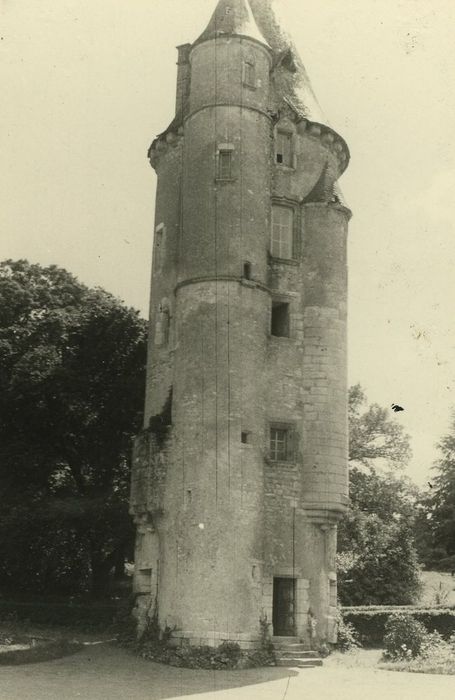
pixel 284 607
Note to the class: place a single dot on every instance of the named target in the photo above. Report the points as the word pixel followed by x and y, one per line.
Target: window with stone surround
pixel 281 443
pixel 283 148
pixel 224 161
pixel 224 165
pixel 282 239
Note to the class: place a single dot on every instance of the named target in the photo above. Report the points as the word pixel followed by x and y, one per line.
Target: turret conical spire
pixel 232 17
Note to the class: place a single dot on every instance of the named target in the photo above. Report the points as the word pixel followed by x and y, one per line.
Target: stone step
pixel 299 663
pixel 285 639
pixel 290 653
pixel 296 646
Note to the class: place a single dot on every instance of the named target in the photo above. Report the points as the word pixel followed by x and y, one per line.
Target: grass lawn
pixel 438 588
pixel 439 663
pixel 444 666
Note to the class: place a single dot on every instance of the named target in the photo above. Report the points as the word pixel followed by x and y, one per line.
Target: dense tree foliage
pixel 71 389
pixel 377 561
pixel 438 508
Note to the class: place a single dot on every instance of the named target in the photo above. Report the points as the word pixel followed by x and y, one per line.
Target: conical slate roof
pixel 260 20
pixel 232 17
pixel 272 26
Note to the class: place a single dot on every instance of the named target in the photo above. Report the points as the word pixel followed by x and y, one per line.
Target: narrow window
pixel 247 270
pixel 284 148
pixel 224 165
pixel 280 319
pixel 245 437
pixel 166 324
pixel 249 72
pixel 159 245
pixel 282 232
pixel 280 444
pixel 162 326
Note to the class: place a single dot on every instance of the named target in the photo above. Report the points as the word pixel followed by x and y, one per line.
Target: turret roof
pixel 232 17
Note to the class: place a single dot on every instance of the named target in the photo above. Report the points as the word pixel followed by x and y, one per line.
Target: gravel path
pixel 105 672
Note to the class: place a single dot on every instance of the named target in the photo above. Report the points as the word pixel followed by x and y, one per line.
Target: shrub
pixel 403 637
pixel 348 637
pixel 369 622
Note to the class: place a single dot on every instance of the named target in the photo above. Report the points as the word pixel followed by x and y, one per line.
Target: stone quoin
pixel 240 472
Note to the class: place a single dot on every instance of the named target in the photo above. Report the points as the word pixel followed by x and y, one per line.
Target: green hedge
pixel 369 622
pixel 90 616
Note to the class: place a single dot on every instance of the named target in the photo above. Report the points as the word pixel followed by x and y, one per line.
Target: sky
pixel 87 84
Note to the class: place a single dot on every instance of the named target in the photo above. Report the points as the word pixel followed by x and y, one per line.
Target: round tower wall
pixel 164 277
pixel 219 73
pixel 325 433
pixel 225 220
pixel 211 528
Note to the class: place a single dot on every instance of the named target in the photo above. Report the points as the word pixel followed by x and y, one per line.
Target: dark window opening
pixel 247 270
pixel 281 444
pixel 224 165
pixel 245 437
pixel 280 319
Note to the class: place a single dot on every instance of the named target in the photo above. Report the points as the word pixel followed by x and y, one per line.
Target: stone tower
pixel 240 473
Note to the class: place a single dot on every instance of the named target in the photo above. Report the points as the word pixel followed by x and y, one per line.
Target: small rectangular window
pixel 284 148
pixel 282 242
pixel 281 444
pixel 247 270
pixel 280 319
pixel 245 437
pixel 224 165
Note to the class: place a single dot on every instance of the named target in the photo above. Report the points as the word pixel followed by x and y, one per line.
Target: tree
pixel 439 504
pixel 384 568
pixel 373 435
pixel 71 391
pixel 377 557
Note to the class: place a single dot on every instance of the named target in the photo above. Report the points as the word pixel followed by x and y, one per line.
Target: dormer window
pixel 283 151
pixel 249 72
